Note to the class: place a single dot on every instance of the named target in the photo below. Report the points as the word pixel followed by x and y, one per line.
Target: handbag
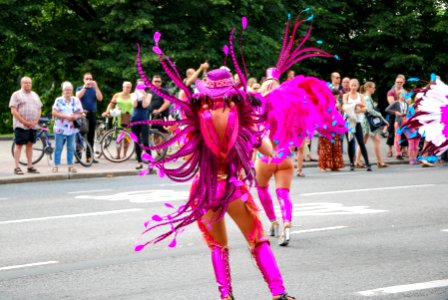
pixel 374 122
pixel 82 124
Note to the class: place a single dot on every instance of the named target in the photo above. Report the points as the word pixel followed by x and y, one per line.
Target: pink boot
pixel 265 259
pixel 268 206
pixel 220 260
pixel 266 201
pixel 286 206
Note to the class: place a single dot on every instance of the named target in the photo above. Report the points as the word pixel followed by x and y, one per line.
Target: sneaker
pixel 399 157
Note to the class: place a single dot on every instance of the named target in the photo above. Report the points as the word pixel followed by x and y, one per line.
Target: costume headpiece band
pixel 213 84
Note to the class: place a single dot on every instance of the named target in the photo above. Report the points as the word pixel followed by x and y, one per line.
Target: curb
pixel 110 174
pixel 39 178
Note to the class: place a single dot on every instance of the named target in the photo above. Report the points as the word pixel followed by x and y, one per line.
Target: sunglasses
pixel 157 81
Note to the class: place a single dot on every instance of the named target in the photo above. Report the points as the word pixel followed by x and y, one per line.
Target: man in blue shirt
pixel 89 94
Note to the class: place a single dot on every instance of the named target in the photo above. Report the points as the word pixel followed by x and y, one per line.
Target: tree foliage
pixel 54 41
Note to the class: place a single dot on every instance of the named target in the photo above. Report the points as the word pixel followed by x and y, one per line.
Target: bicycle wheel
pixel 115 151
pixel 99 134
pixel 38 151
pixel 82 147
pixel 157 138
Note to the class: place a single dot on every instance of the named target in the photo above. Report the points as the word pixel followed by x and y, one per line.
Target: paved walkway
pixel 108 169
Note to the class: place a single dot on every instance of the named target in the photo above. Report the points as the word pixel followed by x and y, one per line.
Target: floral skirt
pixel 330 154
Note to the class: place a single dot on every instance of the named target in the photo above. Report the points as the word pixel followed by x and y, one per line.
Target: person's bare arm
pixel 98 94
pixel 266 148
pixel 36 120
pixel 19 117
pixel 57 114
pixel 361 106
pixel 147 100
pixel 162 108
pixel 390 99
pixel 111 105
pixel 202 68
pixel 81 92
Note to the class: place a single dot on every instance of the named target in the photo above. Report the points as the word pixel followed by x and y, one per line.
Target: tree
pixel 54 41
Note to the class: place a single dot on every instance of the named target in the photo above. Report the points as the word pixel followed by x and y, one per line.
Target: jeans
pixel 358 137
pixel 70 141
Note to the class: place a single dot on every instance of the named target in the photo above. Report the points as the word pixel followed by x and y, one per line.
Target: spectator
pixel 354 106
pixel 192 76
pixel 345 85
pixel 159 107
pixel 368 89
pixel 392 96
pixel 123 102
pixel 290 75
pixel 250 83
pixel 140 102
pixel 26 109
pixel 399 109
pixel 300 155
pixel 255 87
pixel 337 91
pixel 66 109
pixel 89 94
pixel 330 152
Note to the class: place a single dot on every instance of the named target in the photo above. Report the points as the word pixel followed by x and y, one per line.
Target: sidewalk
pixel 108 169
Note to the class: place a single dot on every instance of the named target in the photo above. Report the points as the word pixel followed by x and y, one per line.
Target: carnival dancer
pixel 282 171
pixel 430 118
pixel 218 132
pixel 314 108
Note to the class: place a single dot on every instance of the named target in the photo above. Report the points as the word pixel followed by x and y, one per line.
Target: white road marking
pixel 318 229
pixel 368 190
pixel 99 213
pixel 445 230
pixel 91 191
pixel 329 209
pixel 405 288
pixel 29 265
pixel 142 196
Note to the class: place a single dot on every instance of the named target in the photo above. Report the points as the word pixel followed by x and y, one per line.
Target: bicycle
pixel 120 151
pixel 82 147
pixel 41 147
pixel 101 129
pixel 44 146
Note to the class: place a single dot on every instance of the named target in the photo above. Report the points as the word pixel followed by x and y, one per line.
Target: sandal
pixel 33 170
pixel 18 171
pixel 389 154
pixel 285 296
pixel 300 174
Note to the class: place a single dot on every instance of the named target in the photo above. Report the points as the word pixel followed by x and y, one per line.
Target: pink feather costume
pixel 431 117
pixel 295 109
pixel 219 162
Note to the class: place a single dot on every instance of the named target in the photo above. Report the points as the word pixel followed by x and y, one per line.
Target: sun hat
pixel 217 83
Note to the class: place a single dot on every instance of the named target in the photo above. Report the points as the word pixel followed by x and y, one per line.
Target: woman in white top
pixel 66 109
pixel 354 106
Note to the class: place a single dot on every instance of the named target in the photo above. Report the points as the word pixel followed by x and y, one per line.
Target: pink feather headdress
pixel 290 54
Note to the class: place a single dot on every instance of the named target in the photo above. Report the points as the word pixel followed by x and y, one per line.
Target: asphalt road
pixel 357 235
